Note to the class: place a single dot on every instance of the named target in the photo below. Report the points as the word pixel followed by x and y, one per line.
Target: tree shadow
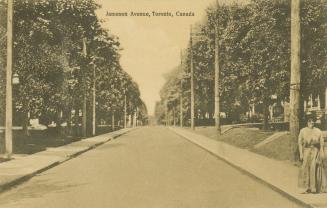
pixel 38 189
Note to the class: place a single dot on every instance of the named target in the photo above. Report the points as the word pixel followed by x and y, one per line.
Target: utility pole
pixel 181 96
pixel 84 93
pixel 295 71
pixel 93 101
pixel 8 131
pixel 125 109
pixel 192 82
pixel 217 72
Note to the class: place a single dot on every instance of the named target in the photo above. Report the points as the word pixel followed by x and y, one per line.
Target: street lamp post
pixel 15 79
pixel 113 120
pixel 84 93
pixel 8 130
pixel 93 101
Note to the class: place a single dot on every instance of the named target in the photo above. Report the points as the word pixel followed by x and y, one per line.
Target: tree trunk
pixel 69 121
pixel 77 119
pixel 174 120
pixel 210 115
pixel 58 123
pixel 266 115
pixel 113 121
pixel 25 124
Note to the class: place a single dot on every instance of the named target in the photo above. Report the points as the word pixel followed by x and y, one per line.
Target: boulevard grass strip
pixel 39 141
pixel 279 149
pixel 36 142
pixel 244 138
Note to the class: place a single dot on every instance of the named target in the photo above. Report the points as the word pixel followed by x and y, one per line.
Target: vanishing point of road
pixel 150 167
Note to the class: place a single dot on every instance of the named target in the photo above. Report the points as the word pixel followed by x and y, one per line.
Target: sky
pixel 151 45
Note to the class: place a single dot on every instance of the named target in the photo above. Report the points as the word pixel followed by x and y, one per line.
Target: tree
pixel 54 74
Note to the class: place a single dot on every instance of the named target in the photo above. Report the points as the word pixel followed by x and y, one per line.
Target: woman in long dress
pixel 311 148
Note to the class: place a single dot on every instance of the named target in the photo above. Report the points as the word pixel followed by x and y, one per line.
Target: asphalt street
pixel 149 167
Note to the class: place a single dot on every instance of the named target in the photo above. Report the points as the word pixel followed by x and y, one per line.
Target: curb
pixel 13 183
pixel 5 186
pixel 248 173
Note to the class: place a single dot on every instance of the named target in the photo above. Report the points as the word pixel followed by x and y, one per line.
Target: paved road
pixel 148 168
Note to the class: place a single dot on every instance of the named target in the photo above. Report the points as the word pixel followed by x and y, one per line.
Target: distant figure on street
pixel 311 148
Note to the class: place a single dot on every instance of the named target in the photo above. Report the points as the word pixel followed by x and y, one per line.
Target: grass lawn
pixel 40 140
pixel 35 143
pixel 246 138
pixel 241 137
pixel 279 149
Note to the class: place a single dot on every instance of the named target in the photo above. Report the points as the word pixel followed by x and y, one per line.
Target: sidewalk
pixel 281 176
pixel 21 169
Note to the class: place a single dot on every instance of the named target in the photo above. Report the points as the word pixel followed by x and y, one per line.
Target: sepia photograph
pixel 163 103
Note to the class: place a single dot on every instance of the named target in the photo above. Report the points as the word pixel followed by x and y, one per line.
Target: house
pixel 316 105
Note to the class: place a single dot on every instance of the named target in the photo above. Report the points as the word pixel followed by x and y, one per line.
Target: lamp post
pixel 93 102
pixel 84 119
pixel 15 79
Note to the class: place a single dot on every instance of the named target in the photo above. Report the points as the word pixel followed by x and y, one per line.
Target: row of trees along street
pixel 254 60
pixel 62 56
